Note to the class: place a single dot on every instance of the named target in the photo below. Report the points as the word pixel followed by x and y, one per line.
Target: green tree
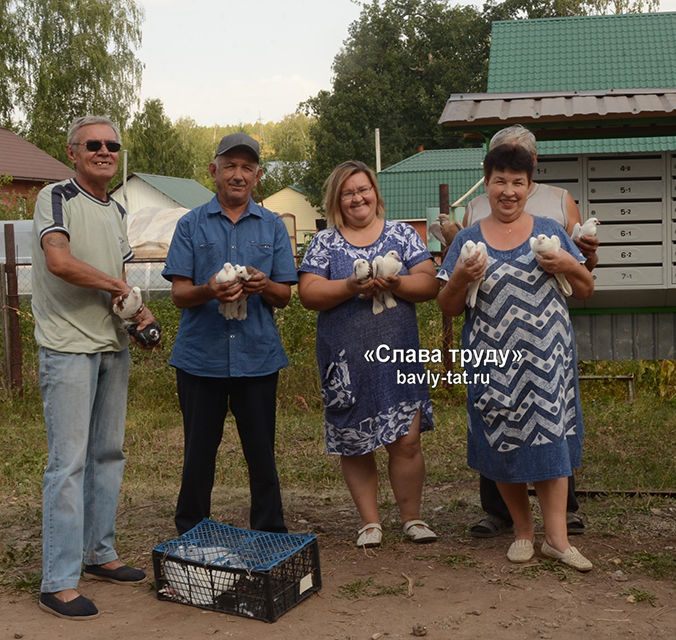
pixel 11 46
pixel 285 153
pixel 514 9
pixel 290 139
pixel 398 66
pixel 155 146
pixel 278 174
pixel 69 58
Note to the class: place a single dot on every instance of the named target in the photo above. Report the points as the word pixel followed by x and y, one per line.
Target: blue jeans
pixel 84 398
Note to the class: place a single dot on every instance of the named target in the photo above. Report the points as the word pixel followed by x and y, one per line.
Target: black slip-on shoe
pixel 574 524
pixel 80 608
pixel 489 527
pixel 122 575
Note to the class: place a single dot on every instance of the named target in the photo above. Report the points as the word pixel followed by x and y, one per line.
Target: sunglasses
pixel 95 145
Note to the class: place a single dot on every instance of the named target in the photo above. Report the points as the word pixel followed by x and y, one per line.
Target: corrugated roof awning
pixel 566 114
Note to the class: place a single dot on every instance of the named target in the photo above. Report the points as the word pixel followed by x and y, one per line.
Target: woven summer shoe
pixel 418 531
pixel 367 538
pixel 520 551
pixel 121 575
pixel 489 527
pixel 571 556
pixel 80 608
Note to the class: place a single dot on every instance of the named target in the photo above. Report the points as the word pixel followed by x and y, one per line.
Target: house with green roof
pixel 163 192
pixel 410 188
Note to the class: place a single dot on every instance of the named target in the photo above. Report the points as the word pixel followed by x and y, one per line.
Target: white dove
pixel 130 305
pixel 227 274
pixel 382 267
pixel 239 305
pixel 469 249
pixel 362 270
pixel 586 229
pixel 543 244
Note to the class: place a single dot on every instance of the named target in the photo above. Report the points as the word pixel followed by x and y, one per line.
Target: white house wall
pixel 290 201
pixel 140 195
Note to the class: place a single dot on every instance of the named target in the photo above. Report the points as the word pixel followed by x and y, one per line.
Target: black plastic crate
pixel 247 573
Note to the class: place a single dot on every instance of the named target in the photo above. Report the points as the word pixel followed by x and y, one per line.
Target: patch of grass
pixel 657 565
pixel 559 571
pixel 28 581
pixel 613 513
pixel 637 595
pixel 457 560
pixel 369 589
pixel 20 566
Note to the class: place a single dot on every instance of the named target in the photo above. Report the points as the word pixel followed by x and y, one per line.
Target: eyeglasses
pixel 361 192
pixel 95 145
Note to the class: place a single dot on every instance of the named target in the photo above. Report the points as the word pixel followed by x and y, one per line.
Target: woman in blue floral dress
pixel 372 398
pixel 523 408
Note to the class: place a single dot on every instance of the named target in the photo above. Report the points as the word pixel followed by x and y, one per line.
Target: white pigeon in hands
pixel 239 307
pixel 383 267
pixel 362 270
pixel 586 229
pixel 233 310
pixel 543 244
pixel 130 305
pixel 469 249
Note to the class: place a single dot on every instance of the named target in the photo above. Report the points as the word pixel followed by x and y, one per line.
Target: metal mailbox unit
pixel 634 198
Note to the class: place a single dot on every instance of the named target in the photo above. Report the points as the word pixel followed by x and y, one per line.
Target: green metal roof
pixel 583 53
pixel 606 145
pixel 187 192
pixel 412 185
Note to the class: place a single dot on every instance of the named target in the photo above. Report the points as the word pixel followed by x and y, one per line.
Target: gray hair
pixel 515 134
pixel 84 121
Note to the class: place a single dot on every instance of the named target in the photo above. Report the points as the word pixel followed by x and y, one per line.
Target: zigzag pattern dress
pixel 524 418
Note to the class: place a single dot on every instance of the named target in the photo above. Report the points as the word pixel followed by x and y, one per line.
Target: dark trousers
pixel 493 504
pixel 204 404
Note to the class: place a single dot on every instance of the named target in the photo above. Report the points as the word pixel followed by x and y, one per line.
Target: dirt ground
pixel 456 588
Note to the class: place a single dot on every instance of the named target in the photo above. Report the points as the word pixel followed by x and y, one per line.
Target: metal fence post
pixel 13 340
pixel 5 325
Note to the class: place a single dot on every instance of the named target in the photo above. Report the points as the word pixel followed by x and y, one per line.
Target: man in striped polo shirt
pixel 80 248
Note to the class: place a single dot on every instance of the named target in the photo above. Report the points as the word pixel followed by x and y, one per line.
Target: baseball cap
pixel 234 140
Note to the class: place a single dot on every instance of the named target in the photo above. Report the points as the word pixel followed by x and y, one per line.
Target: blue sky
pixel 225 61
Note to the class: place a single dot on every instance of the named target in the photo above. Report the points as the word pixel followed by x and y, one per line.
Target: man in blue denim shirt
pixel 222 362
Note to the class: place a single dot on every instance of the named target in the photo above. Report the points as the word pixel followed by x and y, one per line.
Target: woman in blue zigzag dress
pixel 370 401
pixel 524 416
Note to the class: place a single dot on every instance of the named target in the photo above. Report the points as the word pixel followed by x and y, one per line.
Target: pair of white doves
pixel 233 273
pixel 538 244
pixel 381 267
